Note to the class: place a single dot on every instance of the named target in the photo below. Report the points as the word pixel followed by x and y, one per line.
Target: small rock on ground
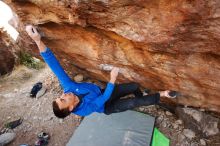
pixel 179 122
pixel 6 138
pixel 189 133
pixel 78 78
pixel 202 142
pixel 168 113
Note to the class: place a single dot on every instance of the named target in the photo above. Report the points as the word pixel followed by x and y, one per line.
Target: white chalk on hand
pixel 109 67
pixel 30 29
pixel 106 67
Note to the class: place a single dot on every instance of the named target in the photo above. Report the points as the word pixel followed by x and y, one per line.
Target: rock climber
pixel 85 98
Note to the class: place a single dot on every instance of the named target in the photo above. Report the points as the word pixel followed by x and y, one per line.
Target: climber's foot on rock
pixel 146 92
pixel 169 94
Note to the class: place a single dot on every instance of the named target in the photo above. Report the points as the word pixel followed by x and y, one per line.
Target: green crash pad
pixel 159 139
pixel 128 128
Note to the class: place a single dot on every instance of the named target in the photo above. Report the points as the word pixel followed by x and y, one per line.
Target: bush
pixel 29 61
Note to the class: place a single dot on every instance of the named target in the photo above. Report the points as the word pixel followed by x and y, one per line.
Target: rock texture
pixel 161 44
pixel 7 58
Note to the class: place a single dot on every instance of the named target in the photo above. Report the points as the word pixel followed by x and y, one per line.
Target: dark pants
pixel 115 104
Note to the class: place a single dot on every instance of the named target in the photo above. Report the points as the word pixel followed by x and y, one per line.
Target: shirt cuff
pixel 110 85
pixel 46 54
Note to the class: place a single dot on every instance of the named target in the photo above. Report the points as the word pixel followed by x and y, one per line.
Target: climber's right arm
pixel 49 57
pixel 32 32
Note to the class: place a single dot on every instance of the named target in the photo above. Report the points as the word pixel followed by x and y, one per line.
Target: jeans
pixel 116 104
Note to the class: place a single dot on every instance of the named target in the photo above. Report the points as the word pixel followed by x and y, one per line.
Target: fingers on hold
pixel 116 68
pixel 28 26
pixel 34 30
pixel 28 29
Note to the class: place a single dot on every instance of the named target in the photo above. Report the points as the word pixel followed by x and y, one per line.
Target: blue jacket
pixel 93 101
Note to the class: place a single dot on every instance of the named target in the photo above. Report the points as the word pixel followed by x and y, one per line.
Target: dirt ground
pixel 38 116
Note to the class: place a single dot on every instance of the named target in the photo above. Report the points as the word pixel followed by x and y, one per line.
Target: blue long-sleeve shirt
pixel 93 101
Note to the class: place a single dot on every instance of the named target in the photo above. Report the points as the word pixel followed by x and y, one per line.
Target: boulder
pixel 160 44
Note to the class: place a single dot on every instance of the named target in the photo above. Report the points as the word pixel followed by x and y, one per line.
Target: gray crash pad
pixel 128 128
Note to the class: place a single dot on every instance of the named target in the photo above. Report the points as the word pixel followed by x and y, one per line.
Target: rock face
pixel 7 58
pixel 161 44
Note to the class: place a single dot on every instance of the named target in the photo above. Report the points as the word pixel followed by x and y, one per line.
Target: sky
pixel 7 15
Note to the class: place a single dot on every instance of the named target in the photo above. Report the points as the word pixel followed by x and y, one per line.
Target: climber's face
pixel 67 100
